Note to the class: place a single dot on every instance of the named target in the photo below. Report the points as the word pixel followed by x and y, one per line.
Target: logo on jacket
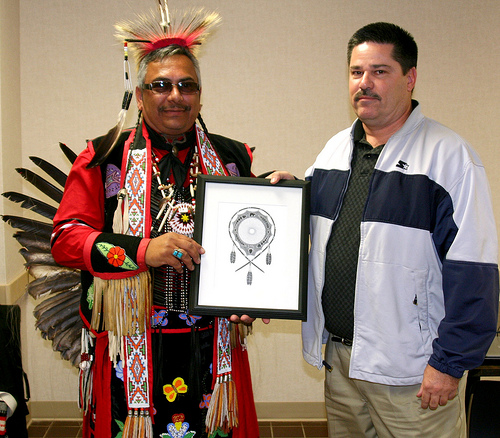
pixel 402 165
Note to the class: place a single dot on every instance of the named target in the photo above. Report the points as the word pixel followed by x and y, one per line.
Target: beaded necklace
pixel 173 203
pixel 176 210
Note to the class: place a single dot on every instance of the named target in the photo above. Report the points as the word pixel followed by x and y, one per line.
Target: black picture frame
pixel 256 238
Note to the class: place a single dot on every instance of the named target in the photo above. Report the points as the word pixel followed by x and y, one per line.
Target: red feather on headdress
pixel 148 33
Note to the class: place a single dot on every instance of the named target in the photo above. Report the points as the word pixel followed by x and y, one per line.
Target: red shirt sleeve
pixel 80 218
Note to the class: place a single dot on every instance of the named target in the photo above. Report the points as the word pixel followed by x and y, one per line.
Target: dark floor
pixel 53 429
pixel 268 429
pixel 293 429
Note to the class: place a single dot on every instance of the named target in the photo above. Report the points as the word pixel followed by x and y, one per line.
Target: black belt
pixel 346 342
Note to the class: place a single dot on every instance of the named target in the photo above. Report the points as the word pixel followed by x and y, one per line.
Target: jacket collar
pixel 414 120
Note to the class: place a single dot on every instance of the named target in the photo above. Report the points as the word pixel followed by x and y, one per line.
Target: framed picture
pixel 256 238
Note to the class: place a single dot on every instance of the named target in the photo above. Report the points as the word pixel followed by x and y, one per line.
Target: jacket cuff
pixel 110 255
pixel 141 253
pixel 443 368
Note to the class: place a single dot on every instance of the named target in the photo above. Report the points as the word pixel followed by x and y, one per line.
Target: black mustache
pixel 366 93
pixel 174 107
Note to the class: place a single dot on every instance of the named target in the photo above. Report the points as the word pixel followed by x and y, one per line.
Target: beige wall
pixel 275 76
pixel 10 133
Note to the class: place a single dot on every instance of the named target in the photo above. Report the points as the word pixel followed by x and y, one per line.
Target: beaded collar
pixel 171 203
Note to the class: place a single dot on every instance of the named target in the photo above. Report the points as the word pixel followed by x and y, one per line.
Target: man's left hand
pixel 437 388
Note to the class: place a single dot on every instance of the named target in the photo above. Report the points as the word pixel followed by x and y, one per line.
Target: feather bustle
pixel 41 270
pixel 54 300
pixel 32 204
pixel 38 258
pixel 73 355
pixel 55 318
pixel 56 283
pixel 32 242
pixel 63 327
pixel 70 155
pixel 56 174
pixel 57 315
pixel 41 184
pixel 64 339
pixel 41 229
pixel 70 306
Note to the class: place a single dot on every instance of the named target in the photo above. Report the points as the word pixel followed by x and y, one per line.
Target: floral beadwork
pixel 178 428
pixel 116 256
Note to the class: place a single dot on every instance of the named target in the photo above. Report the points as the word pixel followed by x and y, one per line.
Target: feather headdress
pixel 149 33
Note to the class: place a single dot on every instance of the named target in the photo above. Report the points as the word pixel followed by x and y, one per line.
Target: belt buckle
pixel 344 341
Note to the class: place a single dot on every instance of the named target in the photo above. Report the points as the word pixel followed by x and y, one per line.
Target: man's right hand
pixel 160 251
pixel 278 175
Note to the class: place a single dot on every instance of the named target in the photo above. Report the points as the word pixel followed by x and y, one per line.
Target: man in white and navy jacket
pixel 403 276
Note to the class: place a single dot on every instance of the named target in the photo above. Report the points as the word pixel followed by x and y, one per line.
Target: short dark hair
pixel 405 49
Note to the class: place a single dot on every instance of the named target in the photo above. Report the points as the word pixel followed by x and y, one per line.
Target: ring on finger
pixel 177 254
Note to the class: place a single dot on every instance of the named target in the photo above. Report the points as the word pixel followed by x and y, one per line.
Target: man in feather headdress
pixel 126 220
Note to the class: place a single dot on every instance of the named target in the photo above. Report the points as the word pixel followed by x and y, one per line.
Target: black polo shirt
pixel 342 250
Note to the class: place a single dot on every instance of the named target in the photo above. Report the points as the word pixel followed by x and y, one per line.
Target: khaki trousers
pixel 360 409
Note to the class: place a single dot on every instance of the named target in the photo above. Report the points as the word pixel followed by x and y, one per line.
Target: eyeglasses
pixel 164 87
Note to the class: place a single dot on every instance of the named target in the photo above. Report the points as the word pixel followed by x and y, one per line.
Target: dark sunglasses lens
pixel 188 87
pixel 161 87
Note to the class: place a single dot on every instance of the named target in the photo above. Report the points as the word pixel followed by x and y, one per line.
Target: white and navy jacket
pixel 427 278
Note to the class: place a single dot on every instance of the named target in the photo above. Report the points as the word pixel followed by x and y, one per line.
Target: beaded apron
pixel 178 217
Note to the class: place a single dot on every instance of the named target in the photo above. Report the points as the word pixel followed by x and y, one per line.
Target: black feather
pixel 74 354
pixel 53 327
pixel 41 184
pixel 70 321
pixel 64 338
pixel 70 155
pixel 53 314
pixel 32 204
pixel 57 175
pixel 55 318
pixel 54 283
pixel 54 300
pixel 38 258
pixel 106 146
pixel 39 270
pixel 110 140
pixel 40 229
pixel 32 242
